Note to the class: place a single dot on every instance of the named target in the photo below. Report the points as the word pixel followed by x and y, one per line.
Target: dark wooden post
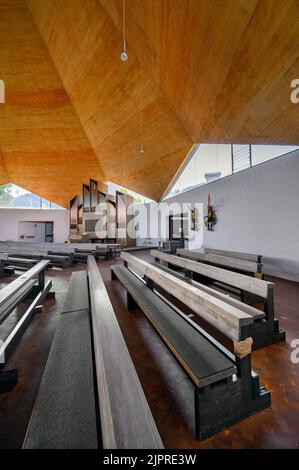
pixel 131 304
pixel 269 304
pixel 149 283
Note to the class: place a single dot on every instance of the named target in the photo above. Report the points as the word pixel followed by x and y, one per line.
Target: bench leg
pixel 108 255
pixel 41 280
pixel 224 405
pixel 113 277
pixel 131 304
pixel 8 380
pixel 197 413
pixel 188 273
pixel 149 282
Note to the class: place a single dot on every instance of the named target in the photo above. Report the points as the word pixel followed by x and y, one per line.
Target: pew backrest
pixel 234 254
pixel 221 315
pixel 237 280
pixel 229 262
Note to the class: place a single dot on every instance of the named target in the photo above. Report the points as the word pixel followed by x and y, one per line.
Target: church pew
pixel 19 262
pixel 102 375
pixel 64 415
pixel 264 331
pixel 226 389
pixel 135 428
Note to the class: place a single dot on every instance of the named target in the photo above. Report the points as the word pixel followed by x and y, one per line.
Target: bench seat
pixel 64 416
pixel 201 360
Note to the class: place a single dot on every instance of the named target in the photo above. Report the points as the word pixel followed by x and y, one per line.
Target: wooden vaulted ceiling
pixel 119 105
pixel 198 71
pixel 43 146
pixel 223 66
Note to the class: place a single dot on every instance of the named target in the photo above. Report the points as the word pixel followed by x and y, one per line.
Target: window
pixel 13 196
pixel 263 153
pixel 209 162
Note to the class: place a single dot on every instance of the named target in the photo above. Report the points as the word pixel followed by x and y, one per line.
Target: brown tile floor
pixel 167 388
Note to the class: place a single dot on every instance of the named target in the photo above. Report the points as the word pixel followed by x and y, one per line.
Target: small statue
pixel 210 219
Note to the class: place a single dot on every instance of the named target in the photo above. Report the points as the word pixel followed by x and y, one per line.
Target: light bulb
pixel 124 56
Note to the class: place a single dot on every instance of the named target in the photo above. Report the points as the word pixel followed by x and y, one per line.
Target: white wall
pixel 258 212
pixel 11 218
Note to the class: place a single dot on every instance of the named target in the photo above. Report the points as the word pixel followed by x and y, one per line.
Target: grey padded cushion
pixel 64 416
pixel 203 362
pixel 77 295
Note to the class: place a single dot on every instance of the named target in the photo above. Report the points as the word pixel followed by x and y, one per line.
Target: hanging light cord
pixel 124 55
pixel 124 26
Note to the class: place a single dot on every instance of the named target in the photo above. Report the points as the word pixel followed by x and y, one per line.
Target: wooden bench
pixel 94 399
pixel 99 251
pixel 61 255
pixel 4 270
pixel 126 419
pixel 22 288
pixel 59 261
pixel 265 329
pixel 20 263
pixel 43 247
pixel 249 267
pixel 64 415
pixel 226 389
pixel 26 260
